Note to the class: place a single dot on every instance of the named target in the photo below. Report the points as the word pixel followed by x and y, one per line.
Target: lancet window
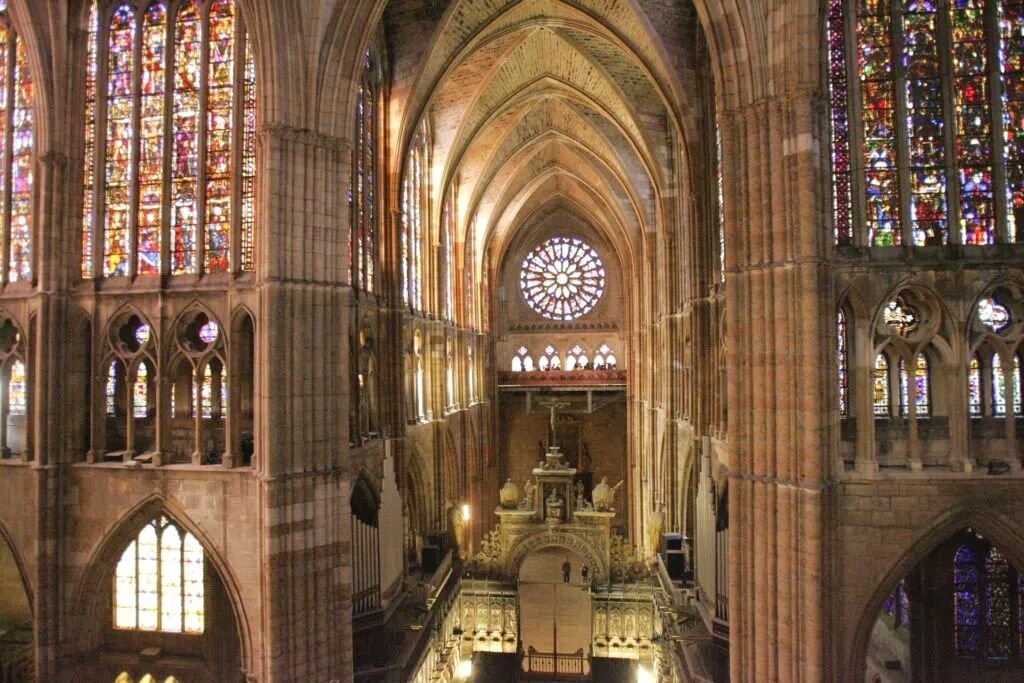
pixel 411 235
pixel 926 104
pixel 986 603
pixel 363 196
pixel 170 126
pixel 16 153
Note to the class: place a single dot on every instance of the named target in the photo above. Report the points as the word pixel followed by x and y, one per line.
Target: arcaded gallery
pixel 511 341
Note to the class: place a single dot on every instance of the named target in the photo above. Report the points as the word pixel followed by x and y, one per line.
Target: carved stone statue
pixel 603 495
pixel 509 496
pixel 655 525
pixel 527 501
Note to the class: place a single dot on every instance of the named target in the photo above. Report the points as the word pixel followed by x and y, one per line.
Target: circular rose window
pixel 563 278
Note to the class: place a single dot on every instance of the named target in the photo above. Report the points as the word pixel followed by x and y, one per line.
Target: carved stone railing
pixel 574 666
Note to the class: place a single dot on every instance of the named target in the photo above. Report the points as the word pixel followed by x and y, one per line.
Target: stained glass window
pixel 89 161
pixel 987 610
pixel 720 188
pixel 563 278
pixel 841 363
pixel 363 193
pixel 159 581
pixel 992 314
pixel 900 317
pixel 966 603
pixel 897 605
pixel 893 177
pixel 411 236
pixel 974 405
pixel 16 145
pixel 880 380
pixel 17 402
pixel 1016 385
pixel 110 390
pixel 447 265
pixel 920 388
pixel 206 393
pixel 998 386
pixel 128 141
pixel 140 392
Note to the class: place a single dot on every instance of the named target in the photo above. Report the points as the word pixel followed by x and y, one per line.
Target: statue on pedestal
pixel 603 495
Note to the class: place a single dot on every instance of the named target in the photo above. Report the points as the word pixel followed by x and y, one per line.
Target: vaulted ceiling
pixel 546 107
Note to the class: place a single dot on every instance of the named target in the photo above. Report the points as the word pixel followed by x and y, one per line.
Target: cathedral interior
pixel 432 341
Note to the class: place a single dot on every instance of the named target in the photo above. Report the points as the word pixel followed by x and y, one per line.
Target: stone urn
pixel 603 496
pixel 509 495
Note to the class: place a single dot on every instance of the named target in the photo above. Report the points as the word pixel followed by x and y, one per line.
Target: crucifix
pixel 553 404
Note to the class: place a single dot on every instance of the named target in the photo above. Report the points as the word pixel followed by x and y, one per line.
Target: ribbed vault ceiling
pixel 538 108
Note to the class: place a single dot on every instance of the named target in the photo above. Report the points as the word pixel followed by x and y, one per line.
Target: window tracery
pixel 563 278
pixel 411 234
pixel 210 140
pixel 159 583
pixel 922 72
pixel 986 602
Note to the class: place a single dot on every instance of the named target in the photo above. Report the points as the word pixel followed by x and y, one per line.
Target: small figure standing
pixel 566 570
pixel 584 571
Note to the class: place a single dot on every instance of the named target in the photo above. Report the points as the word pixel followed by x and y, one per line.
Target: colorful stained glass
pixel 151 139
pixel 140 392
pixel 966 603
pixel 973 121
pixel 880 382
pixel 925 123
pixel 89 162
pixel 992 314
pixel 974 405
pixel 838 90
pixel 364 180
pixel 563 278
pixel 900 317
pixel 998 386
pixel 447 261
pixel 875 65
pixel 208 332
pixel 720 192
pixel 922 395
pixel 19 236
pixel 17 401
pixel 998 615
pixel 143 333
pixel 842 360
pixel 206 393
pixel 110 389
pixel 185 143
pixel 219 121
pixel 1011 67
pixel 1016 386
pixel 120 137
pixel 248 208
pixel 6 36
pixel 159 584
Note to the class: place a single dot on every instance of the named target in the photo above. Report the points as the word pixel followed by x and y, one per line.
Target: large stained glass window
pixel 563 278
pixel 363 193
pixel 411 236
pixel 915 126
pixel 140 392
pixel 986 602
pixel 998 386
pixel 159 581
pixel 170 159
pixel 16 154
pixel 447 262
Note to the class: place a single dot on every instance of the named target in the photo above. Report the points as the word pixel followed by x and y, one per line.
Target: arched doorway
pixel 17 660
pixel 958 614
pixel 554 614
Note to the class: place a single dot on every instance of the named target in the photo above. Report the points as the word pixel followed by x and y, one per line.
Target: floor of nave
pixel 543 595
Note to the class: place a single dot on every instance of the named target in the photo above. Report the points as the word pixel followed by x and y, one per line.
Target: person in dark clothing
pixel 566 570
pixel 584 570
